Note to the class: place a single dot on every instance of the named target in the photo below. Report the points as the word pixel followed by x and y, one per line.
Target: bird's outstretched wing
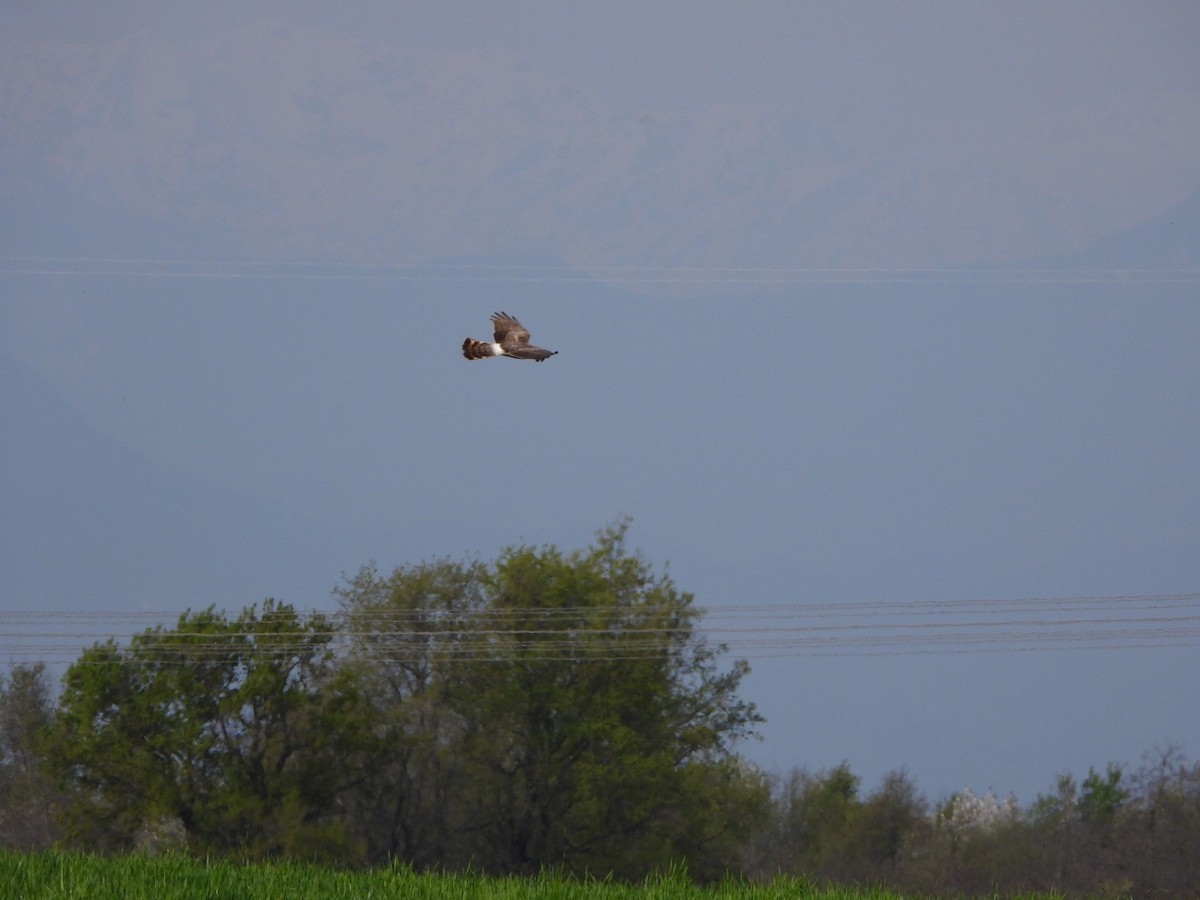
pixel 508 331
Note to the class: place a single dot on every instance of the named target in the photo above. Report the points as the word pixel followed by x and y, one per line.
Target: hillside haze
pixel 299 144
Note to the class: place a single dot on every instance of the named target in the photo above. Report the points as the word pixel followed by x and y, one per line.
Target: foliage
pixel 556 709
pixel 243 731
pixel 822 828
pixel 1102 795
pixel 26 797
pixel 1110 835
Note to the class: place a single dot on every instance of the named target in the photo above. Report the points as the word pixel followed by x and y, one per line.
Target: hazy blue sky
pixel 856 304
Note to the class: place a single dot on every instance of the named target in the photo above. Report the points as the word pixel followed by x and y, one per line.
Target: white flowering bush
pixel 967 812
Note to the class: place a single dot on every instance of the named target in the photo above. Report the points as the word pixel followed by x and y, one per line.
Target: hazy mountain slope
pixel 1170 240
pixel 300 145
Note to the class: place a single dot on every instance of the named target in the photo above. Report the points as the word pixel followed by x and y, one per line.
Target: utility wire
pixel 636 631
pixel 146 268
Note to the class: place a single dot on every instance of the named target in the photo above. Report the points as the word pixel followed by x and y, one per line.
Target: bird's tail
pixel 473 349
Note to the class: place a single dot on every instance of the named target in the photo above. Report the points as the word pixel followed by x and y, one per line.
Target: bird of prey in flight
pixel 510 339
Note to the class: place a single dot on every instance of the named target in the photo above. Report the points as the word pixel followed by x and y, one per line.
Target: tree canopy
pixel 560 709
pixel 550 709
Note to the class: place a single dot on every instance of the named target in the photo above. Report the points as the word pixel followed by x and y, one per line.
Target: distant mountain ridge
pixel 295 144
pixel 1170 240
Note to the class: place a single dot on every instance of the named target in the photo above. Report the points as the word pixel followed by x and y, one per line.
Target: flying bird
pixel 510 339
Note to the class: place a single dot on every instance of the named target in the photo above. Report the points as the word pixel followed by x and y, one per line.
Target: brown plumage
pixel 510 339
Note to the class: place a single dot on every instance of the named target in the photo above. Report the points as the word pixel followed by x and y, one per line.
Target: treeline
pixel 1119 834
pixel 548 711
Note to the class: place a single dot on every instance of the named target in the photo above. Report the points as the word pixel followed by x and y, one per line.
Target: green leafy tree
pixel 564 709
pixel 1102 795
pixel 405 632
pixel 242 731
pixel 26 797
pixel 886 823
pixel 822 829
pixel 817 815
pixel 1161 825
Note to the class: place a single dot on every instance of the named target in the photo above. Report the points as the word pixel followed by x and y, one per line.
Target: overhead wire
pixel 150 268
pixel 631 632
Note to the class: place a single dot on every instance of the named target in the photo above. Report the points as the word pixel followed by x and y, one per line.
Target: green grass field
pixel 57 875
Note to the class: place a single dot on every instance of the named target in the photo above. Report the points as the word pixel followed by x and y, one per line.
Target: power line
pixel 639 632
pixel 148 268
